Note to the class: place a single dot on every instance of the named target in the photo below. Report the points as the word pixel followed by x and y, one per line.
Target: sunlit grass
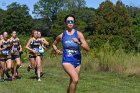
pixel 55 80
pixel 103 71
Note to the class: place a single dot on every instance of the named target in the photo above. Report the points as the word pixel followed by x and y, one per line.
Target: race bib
pixel 71 53
pixel 36 49
pixel 5 52
pixel 15 49
pixel 41 50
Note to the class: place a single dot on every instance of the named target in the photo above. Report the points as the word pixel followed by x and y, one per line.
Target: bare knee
pixel 19 65
pixel 38 66
pixel 8 67
pixel 2 68
pixel 33 66
pixel 75 80
pixel 18 62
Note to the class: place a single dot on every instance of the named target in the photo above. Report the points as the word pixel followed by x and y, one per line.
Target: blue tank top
pixel 71 50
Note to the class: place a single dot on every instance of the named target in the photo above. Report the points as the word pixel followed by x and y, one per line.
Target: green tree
pixel 133 10
pixel 2 15
pixel 48 9
pixel 124 24
pixel 136 30
pixel 54 11
pixel 75 4
pixel 104 19
pixel 84 16
pixel 113 23
pixel 135 14
pixel 16 17
pixel 59 24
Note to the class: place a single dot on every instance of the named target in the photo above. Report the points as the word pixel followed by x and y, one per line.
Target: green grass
pixel 56 80
pixel 103 71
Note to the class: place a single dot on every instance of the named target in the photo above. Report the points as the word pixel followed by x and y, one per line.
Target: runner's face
pixel 1 37
pixel 36 34
pixel 70 22
pixel 14 34
pixel 5 34
pixel 39 34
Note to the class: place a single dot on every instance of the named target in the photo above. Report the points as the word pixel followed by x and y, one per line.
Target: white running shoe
pixel 39 79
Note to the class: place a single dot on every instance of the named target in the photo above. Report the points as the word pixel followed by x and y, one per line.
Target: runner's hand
pixel 59 51
pixel 76 41
pixel 20 50
pixel 35 52
pixel 12 51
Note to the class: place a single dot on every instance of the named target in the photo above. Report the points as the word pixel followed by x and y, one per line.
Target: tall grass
pixel 103 59
pixel 23 40
pixel 106 59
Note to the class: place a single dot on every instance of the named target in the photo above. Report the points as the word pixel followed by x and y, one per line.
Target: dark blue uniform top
pixel 71 50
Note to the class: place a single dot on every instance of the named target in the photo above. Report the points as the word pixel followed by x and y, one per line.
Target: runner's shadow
pixel 33 77
pixel 8 79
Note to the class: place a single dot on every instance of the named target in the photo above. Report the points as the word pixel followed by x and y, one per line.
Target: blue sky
pixel 95 3
pixel 90 3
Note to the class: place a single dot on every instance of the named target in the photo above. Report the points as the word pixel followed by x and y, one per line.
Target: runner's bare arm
pixel 28 45
pixel 20 48
pixel 45 41
pixel 58 39
pixel 84 44
pixel 1 47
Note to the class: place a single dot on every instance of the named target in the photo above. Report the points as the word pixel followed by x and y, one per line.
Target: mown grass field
pixel 103 71
pixel 56 80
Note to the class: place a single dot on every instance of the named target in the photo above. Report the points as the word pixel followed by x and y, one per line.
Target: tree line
pixel 117 24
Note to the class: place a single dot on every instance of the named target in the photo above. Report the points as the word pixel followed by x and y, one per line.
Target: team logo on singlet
pixel 72 53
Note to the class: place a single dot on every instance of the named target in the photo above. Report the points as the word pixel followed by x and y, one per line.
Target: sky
pixel 89 3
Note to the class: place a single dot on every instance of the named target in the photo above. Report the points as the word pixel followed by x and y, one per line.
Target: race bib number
pixel 71 53
pixel 15 49
pixel 41 50
pixel 5 52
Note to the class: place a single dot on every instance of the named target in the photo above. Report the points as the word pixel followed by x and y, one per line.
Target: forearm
pixel 2 49
pixel 29 48
pixel 46 43
pixel 85 47
pixel 54 47
pixel 20 48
